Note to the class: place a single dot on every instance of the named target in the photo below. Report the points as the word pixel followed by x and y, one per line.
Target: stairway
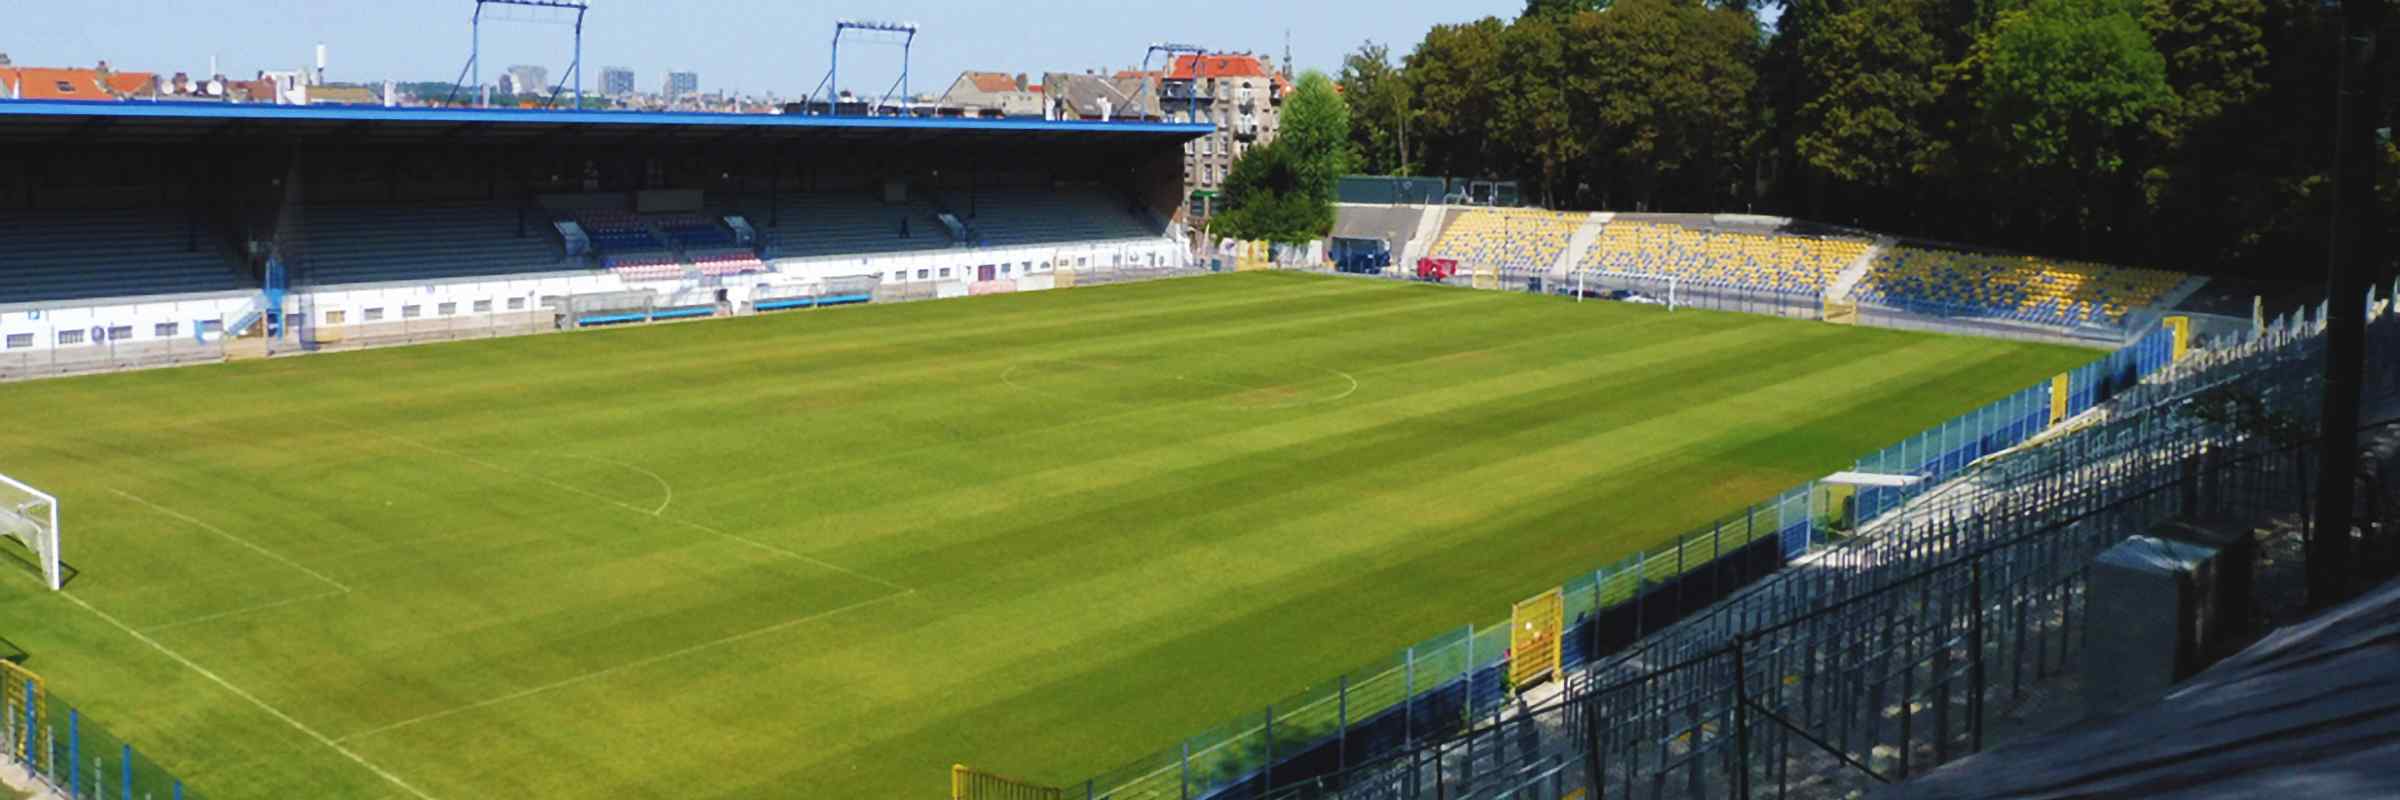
pixel 1580 244
pixel 1839 290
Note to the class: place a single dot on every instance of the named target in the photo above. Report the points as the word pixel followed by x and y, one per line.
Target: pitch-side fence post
pixel 1741 719
pixel 1269 770
pixel 1975 640
pixel 1341 757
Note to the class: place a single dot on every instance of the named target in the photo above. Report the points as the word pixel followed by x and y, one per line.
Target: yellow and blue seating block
pixel 1509 240
pixel 2020 288
pixel 1722 258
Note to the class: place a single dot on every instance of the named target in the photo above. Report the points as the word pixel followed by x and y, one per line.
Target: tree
pixel 1379 99
pixel 1284 190
pixel 1664 87
pixel 1869 122
pixel 2066 87
pixel 1535 122
pixel 1451 75
pixel 1537 9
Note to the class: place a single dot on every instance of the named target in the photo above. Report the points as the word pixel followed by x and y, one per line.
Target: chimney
pixel 1107 109
pixel 320 65
pixel 103 68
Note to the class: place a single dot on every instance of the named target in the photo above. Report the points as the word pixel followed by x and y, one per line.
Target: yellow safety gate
pixel 1535 627
pixel 967 783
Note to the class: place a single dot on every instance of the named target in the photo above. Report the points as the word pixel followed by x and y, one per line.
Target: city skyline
pixel 747 46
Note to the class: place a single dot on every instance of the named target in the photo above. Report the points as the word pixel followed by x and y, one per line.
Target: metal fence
pixel 1934 317
pixel 1688 604
pixel 1883 655
pixel 73 754
pixel 1615 605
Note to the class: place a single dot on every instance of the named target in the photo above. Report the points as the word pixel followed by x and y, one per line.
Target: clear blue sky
pixel 751 45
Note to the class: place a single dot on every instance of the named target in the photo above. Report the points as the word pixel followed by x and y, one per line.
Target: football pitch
pixel 827 554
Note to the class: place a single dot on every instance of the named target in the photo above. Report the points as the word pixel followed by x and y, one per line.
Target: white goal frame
pixel 1674 283
pixel 46 529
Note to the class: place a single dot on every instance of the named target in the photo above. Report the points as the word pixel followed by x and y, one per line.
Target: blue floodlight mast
pixel 1172 50
pixel 831 87
pixel 574 73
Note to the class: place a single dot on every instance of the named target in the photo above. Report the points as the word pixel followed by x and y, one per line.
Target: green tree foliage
pixel 1535 9
pixel 1316 129
pixel 1379 100
pixel 2179 133
pixel 1666 87
pixel 1284 190
pixel 1869 120
pixel 1452 75
pixel 2069 82
pixel 1534 122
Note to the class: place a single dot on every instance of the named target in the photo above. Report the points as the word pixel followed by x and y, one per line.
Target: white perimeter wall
pixel 27 329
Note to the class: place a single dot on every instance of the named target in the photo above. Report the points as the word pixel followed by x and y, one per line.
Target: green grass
pixel 828 554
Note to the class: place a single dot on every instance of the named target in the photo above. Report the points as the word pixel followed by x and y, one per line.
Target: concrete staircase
pixel 1847 281
pixel 1579 244
pixel 1429 228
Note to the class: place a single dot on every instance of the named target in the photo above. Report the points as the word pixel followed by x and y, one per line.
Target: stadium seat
pixel 2017 288
pixel 1510 240
pixel 368 244
pixel 77 255
pixel 1758 261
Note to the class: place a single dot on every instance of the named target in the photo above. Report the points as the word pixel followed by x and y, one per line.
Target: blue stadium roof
pixel 128 122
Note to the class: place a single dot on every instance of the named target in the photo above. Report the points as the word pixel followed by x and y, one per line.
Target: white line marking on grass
pixel 662 482
pixel 240 611
pixel 235 539
pixel 785 552
pixel 253 699
pixel 630 665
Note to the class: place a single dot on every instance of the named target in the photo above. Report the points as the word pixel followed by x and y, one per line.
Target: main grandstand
pixel 402 223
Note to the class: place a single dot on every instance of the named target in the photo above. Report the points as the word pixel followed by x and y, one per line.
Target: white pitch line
pixel 662 482
pixel 254 547
pixel 785 552
pixel 630 665
pixel 253 699
pixel 240 611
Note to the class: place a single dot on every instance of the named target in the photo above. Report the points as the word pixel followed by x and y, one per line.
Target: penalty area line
pixel 658 514
pixel 627 666
pixel 253 546
pixel 262 705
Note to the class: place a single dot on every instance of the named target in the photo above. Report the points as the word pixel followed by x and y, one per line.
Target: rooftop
pixel 175 122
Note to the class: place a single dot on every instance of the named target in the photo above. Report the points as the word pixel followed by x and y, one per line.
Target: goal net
pixel 30 517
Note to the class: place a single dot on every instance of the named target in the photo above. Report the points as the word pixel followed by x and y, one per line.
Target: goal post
pixel 30 516
pixel 1665 290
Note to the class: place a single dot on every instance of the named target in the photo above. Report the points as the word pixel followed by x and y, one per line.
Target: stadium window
pixel 374 315
pixel 20 341
pixel 945 272
pixel 1004 269
pixel 924 273
pixel 336 317
pixel 212 327
pixel 899 276
pixel 483 306
pixel 70 337
pixel 446 309
pixel 120 332
pixel 166 330
pixel 411 312
pixel 516 304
